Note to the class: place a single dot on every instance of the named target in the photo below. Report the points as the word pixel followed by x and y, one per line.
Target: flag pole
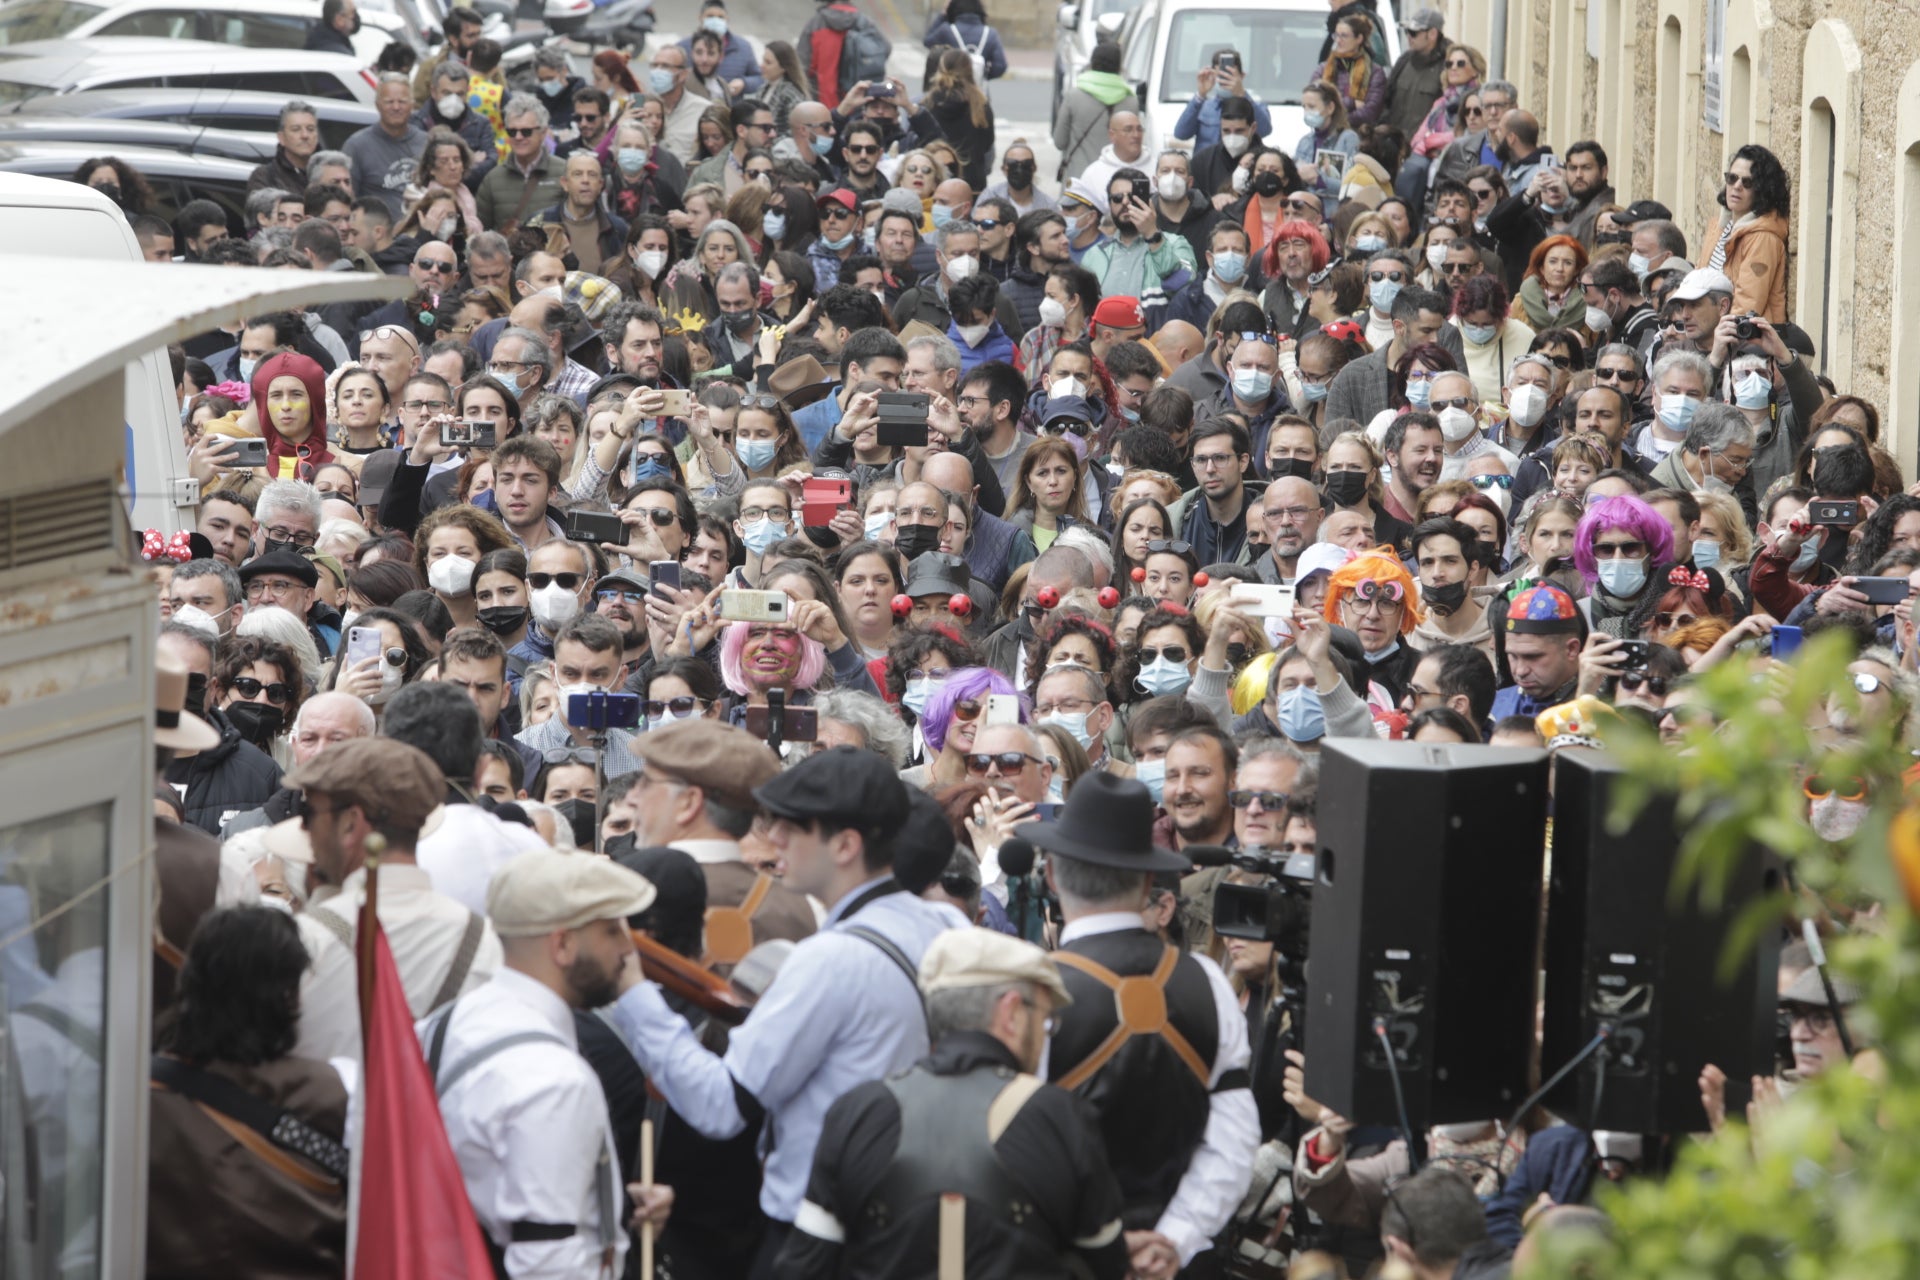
pixel 363 939
pixel 646 1178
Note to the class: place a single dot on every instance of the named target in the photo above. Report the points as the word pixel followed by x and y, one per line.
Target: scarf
pixel 1359 73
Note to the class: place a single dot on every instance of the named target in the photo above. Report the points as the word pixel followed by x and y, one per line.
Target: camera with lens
pixel 1278 911
pixel 1744 327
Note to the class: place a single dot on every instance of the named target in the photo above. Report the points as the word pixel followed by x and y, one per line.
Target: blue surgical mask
pixel 651 468
pixel 1753 390
pixel 1809 552
pixel 876 524
pixel 755 455
pixel 821 145
pixel 1623 578
pixel 1313 119
pixel 660 80
pixel 1479 334
pixel 1676 412
pixel 1420 394
pixel 942 215
pixel 918 689
pixel 1313 392
pixel 1706 553
pixel 1131 415
pixel 553 88
pixel 1230 267
pixel 715 24
pixel 1074 722
pixel 630 159
pixel 1252 384
pixel 246 370
pixel 509 380
pixel 838 245
pixel 1369 244
pixel 1302 717
pixel 1163 676
pixel 775 225
pixel 1152 774
pixel 1381 294
pixel 761 534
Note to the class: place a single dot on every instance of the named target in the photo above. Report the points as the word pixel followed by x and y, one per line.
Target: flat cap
pixel 726 762
pixel 291 563
pixel 987 958
pixel 545 889
pixel 397 785
pixel 846 784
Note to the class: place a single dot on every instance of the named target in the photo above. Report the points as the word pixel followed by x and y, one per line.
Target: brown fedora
pixel 173 725
pixel 800 382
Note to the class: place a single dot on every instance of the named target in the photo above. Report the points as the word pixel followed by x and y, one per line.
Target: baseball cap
pixel 1700 282
pixel 1643 211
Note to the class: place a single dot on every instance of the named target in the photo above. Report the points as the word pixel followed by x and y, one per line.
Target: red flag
pixel 416 1222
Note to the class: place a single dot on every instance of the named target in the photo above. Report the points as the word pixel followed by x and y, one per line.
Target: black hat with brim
pixel 1107 821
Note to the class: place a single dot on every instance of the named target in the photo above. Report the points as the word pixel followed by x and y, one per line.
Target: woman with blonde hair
pixel 1368 234
pixel 964 116
pixel 920 172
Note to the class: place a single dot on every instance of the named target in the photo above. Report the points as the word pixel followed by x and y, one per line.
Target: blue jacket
pixel 996 345
pixel 1191 304
pixel 1557 1161
pixel 964 32
pixel 1200 122
pixel 1346 142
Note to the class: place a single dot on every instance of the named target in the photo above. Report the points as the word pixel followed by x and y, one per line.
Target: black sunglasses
pixel 1172 546
pixel 541 581
pixel 1009 761
pixel 681 706
pixel 1656 685
pixel 988 224
pixel 661 517
pixel 1172 653
pixel 249 688
pixel 1269 800
pixel 444 268
pixel 523 133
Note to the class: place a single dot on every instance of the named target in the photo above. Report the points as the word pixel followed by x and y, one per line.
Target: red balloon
pixel 1047 597
pixel 902 606
pixel 959 604
pixel 1109 597
pixel 1201 579
pixel 1139 574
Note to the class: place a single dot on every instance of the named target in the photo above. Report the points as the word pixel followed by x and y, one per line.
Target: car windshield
pixel 1277 48
pixel 12 92
pixel 1103 7
pixel 42 19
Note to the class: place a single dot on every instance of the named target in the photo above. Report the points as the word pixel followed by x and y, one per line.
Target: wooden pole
pixel 363 939
pixel 646 1180
pixel 953 1236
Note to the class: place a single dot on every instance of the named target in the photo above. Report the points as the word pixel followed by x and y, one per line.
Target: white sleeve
pixel 1222 1166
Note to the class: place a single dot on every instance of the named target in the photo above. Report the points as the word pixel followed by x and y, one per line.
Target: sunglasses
pixel 1736 180
pixel 1269 800
pixel 1819 788
pixel 1666 621
pixel 759 402
pixel 968 709
pixel 988 224
pixel 661 518
pixel 1009 761
pixel 1065 425
pixel 1169 546
pixel 1267 338
pixel 1378 276
pixel 1634 681
pixel 1491 482
pixel 1457 402
pixel 527 132
pixel 1172 653
pixel 1458 268
pixel 1558 362
pixel 610 594
pixel 444 268
pixel 760 173
pixel 568 581
pixel 1864 682
pixel 835 213
pixel 860 149
pixel 249 688
pixel 679 707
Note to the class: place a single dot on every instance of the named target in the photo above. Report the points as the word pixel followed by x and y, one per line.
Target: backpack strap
pixel 1140 1008
pixel 730 929
pixel 462 961
pixel 277 1133
pixel 894 953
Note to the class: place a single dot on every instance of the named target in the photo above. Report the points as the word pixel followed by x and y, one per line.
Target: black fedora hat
pixel 1107 821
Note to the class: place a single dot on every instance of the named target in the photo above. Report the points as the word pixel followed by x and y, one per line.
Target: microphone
pixel 1207 855
pixel 1016 857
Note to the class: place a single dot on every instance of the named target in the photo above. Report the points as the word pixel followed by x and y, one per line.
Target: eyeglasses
pixel 1865 682
pixel 759 401
pixel 1290 515
pixel 1666 621
pixel 1817 787
pixel 1269 800
pixel 1633 681
pixel 1069 706
pixel 779 515
pixel 988 224
pixel 1746 182
pixel 279 533
pixel 660 516
pixel 1379 591
pixel 1250 336
pixel 678 707
pixel 1459 268
pixel 1378 276
pixel 527 131
pixel 1172 653
pixel 835 212
pixel 610 594
pixel 568 755
pixel 1558 362
pixel 444 268
pixel 1303 206
pixel 567 581
pixel 1483 483
pixel 1818 1020
pixel 249 688
pixel 1462 65
pixel 276 588
pixel 1615 375
pixel 1008 761
pixel 424 406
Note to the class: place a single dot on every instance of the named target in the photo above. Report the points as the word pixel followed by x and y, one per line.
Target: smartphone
pixel 755 606
pixel 249 451
pixel 363 643
pixel 675 403
pixel 1226 60
pixel 1261 600
pixel 1836 513
pixel 1143 190
pixel 797 724
pixel 879 91
pixel 903 418
pixel 1883 590
pixel 1003 708
pixel 1046 811
pixel 1785 641
pixel 471 434
pixel 596 526
pixel 603 710
pixel 821 500
pixel 1639 653
pixel 662 574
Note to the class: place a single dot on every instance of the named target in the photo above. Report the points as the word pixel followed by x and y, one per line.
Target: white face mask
pixel 1436 255
pixel 452 105
pixel 1457 424
pixel 1834 818
pixel 451 575
pixel 1598 321
pixel 1067 386
pixel 554 606
pixel 1236 145
pixel 972 334
pixel 1527 404
pixel 200 620
pixel 960 268
pixel 1053 312
pixel 1172 186
pixel 650 261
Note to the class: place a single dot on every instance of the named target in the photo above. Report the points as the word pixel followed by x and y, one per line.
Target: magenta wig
pixel 733 639
pixel 1624 512
pixel 962 684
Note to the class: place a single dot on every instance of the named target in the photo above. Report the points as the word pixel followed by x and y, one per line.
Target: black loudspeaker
pixel 1625 954
pixel 1426 908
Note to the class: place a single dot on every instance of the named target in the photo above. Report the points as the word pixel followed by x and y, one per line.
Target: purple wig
pixel 959 686
pixel 733 641
pixel 1624 512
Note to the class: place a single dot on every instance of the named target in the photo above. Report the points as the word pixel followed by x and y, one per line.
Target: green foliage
pixel 1825 1186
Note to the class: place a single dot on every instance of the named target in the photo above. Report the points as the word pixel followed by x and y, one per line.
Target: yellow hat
pixel 1574 724
pixel 545 889
pixel 1250 686
pixel 986 958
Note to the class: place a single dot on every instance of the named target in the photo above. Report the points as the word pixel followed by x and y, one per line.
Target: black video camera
pixel 1279 911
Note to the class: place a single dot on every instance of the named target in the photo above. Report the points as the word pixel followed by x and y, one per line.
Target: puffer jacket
pixel 226 779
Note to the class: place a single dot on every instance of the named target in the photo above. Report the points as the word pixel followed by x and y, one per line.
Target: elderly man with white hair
pixel 325 720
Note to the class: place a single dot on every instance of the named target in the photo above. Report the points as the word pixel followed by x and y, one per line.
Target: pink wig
pixel 1628 513
pixel 733 640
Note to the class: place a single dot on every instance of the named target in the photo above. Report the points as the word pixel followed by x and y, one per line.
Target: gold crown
pixel 685 321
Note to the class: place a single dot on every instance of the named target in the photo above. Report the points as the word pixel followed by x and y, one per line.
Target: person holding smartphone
pixel 1222 78
pixel 1141 255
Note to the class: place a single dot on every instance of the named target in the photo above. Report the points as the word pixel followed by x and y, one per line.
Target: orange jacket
pixel 1756 263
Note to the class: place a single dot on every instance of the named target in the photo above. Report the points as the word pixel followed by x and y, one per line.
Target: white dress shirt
pixel 423 929
pixel 462 845
pixel 529 1127
pixel 839 1014
pixel 1221 1167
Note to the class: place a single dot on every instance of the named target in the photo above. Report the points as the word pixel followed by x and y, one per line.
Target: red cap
pixel 1119 312
pixel 839 196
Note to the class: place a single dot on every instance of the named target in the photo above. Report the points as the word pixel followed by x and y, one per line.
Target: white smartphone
pixel 1003 708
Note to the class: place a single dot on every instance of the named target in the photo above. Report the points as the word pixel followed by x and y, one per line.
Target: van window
pixel 42 19
pixel 166 24
pixel 257 30
pixel 1278 48
pixel 299 83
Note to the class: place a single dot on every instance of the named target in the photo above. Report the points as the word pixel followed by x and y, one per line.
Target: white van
pixel 1166 42
pixel 64 219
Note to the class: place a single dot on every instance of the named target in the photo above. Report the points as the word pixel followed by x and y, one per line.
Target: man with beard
pixel 1292 512
pixel 352 791
pixel 621 598
pixel 525 1113
pixel 1200 765
pixel 1416 450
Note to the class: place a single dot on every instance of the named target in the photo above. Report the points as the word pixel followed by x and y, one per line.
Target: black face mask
pixel 196 693
pixel 256 721
pixel 274 544
pixel 1266 183
pixel 1444 600
pixel 504 619
pixel 579 816
pixel 1345 488
pixel 111 190
pixel 1020 174
pixel 740 322
pixel 915 540
pixel 1284 467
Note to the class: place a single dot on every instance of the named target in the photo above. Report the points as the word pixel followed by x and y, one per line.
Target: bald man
pixel 1178 342
pixel 995 547
pixel 1126 149
pixel 810 138
pixel 1291 511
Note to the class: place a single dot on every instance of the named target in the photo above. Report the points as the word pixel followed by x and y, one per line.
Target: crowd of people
pixel 1408 431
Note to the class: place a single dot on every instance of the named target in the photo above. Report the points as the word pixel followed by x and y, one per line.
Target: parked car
pixel 228 110
pixel 38 68
pixel 250 24
pixel 174 176
pixel 1078 24
pixel 112 135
